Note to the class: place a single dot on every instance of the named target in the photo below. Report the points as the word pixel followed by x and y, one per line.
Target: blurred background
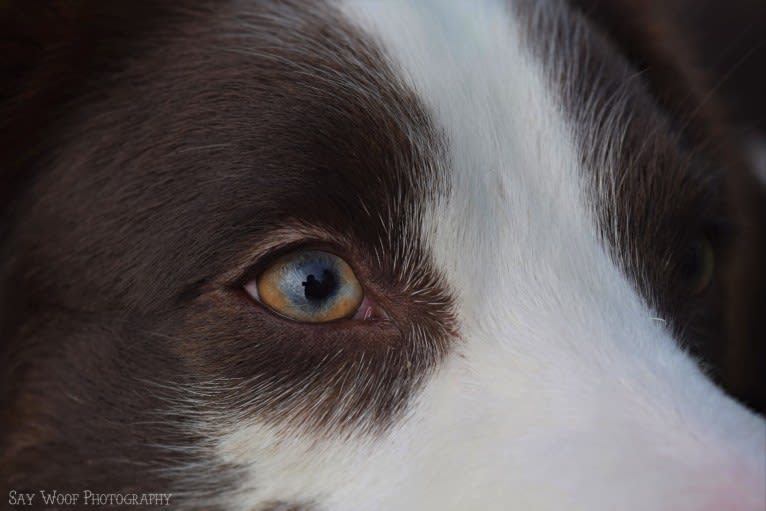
pixel 730 36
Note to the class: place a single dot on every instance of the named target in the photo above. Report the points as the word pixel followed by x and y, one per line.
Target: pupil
pixel 317 289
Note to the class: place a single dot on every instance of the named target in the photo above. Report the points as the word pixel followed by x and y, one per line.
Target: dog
pixel 358 255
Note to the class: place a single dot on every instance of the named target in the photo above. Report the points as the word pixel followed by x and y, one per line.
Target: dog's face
pixel 369 255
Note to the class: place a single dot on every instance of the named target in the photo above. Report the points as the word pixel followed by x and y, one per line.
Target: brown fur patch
pixel 160 173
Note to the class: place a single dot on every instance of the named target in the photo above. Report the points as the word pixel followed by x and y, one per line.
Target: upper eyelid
pixel 279 242
pixel 268 258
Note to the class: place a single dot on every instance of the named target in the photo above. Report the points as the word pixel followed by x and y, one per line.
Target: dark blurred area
pixel 731 38
pixel 706 60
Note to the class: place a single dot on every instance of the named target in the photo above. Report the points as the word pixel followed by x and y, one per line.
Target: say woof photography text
pixel 86 498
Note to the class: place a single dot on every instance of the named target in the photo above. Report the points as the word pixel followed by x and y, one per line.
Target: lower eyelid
pixel 367 310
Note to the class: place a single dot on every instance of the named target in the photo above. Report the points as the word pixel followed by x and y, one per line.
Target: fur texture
pixel 515 183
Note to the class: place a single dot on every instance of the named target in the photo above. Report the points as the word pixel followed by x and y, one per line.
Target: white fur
pixel 564 391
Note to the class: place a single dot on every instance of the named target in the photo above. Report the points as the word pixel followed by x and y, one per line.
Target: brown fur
pixel 154 173
pixel 146 152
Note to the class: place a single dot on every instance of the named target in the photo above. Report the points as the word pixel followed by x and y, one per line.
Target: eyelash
pixel 264 260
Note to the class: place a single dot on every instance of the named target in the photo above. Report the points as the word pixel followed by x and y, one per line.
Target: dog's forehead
pixel 362 117
pixel 262 115
pixel 447 140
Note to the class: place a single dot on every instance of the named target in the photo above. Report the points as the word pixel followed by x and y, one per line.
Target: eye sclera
pixel 327 278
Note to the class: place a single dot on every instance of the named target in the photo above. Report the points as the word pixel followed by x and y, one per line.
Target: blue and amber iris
pixel 311 286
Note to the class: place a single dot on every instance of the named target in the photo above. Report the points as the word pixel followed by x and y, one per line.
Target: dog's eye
pixel 310 286
pixel 697 266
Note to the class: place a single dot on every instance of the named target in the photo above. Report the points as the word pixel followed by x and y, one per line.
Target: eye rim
pixel 703 249
pixel 368 311
pixel 277 287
